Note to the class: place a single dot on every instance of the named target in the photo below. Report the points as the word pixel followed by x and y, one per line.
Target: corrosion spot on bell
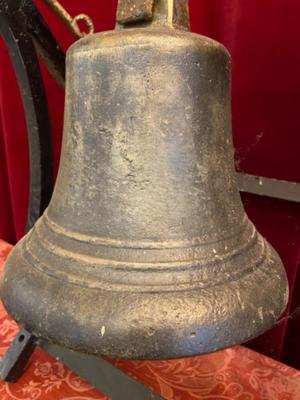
pixel 151 332
pixel 102 331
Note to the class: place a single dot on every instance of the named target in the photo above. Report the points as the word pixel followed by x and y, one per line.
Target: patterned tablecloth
pixel 234 374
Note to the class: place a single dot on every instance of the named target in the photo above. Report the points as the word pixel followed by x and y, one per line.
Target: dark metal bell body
pixel 145 250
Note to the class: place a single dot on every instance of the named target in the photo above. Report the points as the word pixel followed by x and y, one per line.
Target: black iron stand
pixel 17 356
pixel 98 372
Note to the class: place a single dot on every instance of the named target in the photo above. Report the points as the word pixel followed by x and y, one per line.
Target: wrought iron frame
pixel 26 36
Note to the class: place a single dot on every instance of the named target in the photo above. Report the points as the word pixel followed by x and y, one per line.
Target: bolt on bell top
pixel 145 250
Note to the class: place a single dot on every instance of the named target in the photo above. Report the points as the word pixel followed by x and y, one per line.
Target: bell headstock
pixel 171 13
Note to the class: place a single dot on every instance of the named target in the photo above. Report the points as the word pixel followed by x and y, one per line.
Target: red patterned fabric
pixel 234 374
pixel 263 38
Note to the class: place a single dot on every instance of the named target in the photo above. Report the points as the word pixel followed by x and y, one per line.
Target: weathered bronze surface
pixel 145 250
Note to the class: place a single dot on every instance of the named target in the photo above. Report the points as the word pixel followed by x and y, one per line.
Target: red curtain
pixel 263 38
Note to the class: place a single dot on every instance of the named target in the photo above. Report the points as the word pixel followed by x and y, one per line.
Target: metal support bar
pixel 17 356
pixel 101 374
pixel 275 188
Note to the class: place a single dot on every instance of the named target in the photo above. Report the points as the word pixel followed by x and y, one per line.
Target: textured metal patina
pixel 145 250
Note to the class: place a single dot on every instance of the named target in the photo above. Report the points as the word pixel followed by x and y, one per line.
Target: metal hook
pixel 69 21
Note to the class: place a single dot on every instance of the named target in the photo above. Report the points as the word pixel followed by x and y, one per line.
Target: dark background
pixel 263 38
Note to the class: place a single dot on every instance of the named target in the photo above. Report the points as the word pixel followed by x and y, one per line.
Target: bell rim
pixel 220 328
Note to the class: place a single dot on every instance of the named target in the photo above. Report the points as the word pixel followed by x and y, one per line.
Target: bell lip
pixel 171 356
pixel 29 295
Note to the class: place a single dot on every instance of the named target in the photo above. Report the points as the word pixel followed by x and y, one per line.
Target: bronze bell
pixel 145 251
